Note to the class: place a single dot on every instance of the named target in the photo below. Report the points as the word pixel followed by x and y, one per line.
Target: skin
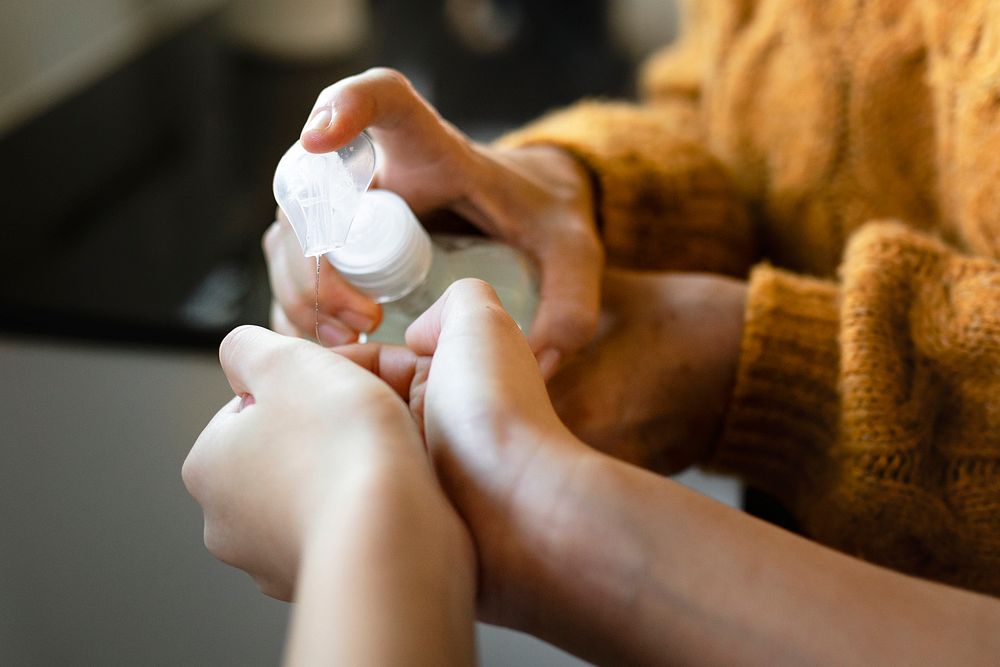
pixel 606 560
pixel 537 199
pixel 329 483
pixel 652 387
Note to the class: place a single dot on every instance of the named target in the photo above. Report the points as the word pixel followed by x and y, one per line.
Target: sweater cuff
pixel 783 413
pixel 664 202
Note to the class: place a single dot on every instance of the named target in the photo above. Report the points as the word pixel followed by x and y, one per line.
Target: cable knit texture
pixel 806 136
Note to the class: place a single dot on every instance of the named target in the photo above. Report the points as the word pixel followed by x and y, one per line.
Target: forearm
pixel 386 581
pixel 638 569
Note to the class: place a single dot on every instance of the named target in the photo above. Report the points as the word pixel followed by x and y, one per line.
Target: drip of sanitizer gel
pixel 376 242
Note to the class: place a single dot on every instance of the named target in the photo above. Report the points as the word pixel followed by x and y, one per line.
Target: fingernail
pixel 333 333
pixel 357 321
pixel 548 361
pixel 321 120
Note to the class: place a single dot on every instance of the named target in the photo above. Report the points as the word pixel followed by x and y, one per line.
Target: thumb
pixel 468 309
pixel 425 157
pixel 477 347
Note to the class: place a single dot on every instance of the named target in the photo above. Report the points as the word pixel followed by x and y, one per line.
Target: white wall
pixel 101 555
pixel 52 48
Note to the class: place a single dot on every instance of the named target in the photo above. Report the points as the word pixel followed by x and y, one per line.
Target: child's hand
pixel 308 433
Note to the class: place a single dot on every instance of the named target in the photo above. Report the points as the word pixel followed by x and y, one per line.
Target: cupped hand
pixel 308 431
pixel 653 386
pixel 536 198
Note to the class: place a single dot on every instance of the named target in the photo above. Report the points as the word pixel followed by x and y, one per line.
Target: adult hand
pixel 652 388
pixel 500 452
pixel 621 566
pixel 309 434
pixel 536 198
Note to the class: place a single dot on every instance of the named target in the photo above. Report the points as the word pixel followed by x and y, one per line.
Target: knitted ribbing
pixel 867 400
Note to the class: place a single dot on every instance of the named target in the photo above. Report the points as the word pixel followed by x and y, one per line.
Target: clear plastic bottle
pixel 390 257
pixel 373 239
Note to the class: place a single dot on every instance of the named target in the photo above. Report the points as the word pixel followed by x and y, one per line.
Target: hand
pixel 537 199
pixel 309 434
pixel 653 387
pixel 620 566
pixel 500 452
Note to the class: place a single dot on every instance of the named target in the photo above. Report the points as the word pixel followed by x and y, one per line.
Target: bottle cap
pixel 320 192
pixel 388 252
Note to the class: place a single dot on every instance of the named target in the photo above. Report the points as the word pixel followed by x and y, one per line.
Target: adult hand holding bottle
pixel 536 198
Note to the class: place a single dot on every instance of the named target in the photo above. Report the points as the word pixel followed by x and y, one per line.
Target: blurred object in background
pixel 299 30
pixel 484 26
pixel 53 49
pixel 640 27
pixel 489 65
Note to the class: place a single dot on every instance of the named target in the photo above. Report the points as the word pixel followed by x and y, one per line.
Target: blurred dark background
pixel 136 194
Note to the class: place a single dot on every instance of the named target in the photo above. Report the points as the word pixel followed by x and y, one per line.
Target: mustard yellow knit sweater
pixel 851 151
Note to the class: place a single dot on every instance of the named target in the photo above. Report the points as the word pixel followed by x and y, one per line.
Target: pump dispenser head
pixel 320 192
pixel 388 253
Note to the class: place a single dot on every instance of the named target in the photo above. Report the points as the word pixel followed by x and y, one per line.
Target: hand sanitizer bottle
pixel 376 242
pixel 390 257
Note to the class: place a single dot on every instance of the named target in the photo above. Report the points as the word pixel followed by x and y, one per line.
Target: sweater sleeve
pixel 663 201
pixel 872 408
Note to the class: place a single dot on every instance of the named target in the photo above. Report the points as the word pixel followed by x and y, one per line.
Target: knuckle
pixel 238 340
pixel 476 288
pixel 390 76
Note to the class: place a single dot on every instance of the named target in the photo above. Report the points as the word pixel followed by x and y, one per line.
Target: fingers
pixel 381 99
pixel 479 334
pixel 260 362
pixel 343 311
pixel 395 365
pixel 422 158
pixel 482 376
pixel 460 306
pixel 249 355
pixel 570 299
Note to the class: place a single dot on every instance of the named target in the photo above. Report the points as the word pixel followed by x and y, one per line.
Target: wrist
pixel 519 542
pixel 522 180
pixel 389 500
pixel 732 299
pixel 579 561
pixel 387 568
pixel 373 464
